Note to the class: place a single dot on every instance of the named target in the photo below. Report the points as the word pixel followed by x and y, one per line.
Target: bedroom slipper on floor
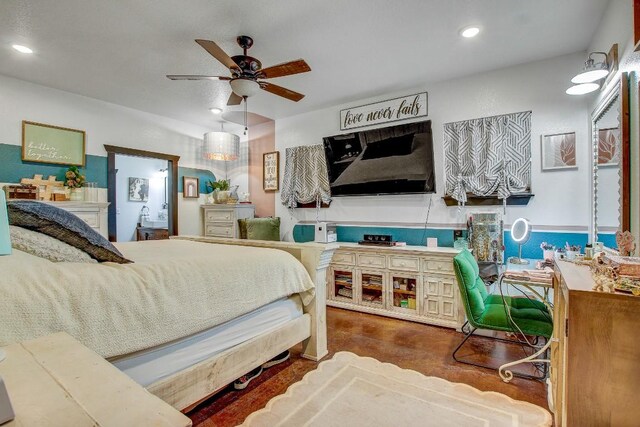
pixel 278 359
pixel 242 382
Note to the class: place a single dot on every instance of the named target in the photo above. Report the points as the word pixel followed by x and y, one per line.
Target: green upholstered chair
pixel 495 312
pixel 259 228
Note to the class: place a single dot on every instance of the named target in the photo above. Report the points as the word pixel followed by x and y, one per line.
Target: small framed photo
pixel 559 151
pixel 138 189
pixel 271 171
pixel 190 187
pixel 608 147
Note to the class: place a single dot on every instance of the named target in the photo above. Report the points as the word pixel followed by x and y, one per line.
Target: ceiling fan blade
pixel 195 77
pixel 217 52
pixel 281 91
pixel 285 69
pixel 234 99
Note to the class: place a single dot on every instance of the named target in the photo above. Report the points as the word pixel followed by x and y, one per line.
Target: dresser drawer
pixel 219 230
pixel 220 215
pixel 344 258
pixel 366 260
pixel 404 263
pixel 438 265
pixel 91 218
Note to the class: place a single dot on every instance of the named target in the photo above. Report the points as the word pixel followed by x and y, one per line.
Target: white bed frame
pixel 189 387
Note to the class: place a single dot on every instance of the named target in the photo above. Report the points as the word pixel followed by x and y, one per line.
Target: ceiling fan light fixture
pixel 591 72
pixel 582 89
pixel 244 87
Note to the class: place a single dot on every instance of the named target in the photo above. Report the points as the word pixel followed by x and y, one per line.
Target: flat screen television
pixel 391 160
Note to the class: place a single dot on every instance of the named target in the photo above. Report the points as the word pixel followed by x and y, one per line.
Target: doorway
pixel 149 175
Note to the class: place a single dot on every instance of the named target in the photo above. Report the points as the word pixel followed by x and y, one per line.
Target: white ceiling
pixel 119 51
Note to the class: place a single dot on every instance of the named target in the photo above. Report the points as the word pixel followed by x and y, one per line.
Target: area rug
pixel 355 391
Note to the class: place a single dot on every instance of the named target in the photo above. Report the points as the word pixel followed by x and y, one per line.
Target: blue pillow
pixel 64 226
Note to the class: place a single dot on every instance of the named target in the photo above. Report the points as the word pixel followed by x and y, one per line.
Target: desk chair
pixel 494 312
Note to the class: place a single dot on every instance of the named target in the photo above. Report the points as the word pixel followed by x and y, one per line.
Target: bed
pixel 187 317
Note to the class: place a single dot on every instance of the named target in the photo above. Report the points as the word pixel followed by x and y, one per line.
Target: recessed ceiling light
pixel 216 110
pixel 469 32
pixel 582 89
pixel 21 49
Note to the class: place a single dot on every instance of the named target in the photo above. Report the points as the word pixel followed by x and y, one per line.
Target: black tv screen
pixel 391 160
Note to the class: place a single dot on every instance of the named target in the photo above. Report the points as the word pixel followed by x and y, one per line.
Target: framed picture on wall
pixel 190 187
pixel 138 189
pixel 271 171
pixel 52 144
pixel 559 151
pixel 608 147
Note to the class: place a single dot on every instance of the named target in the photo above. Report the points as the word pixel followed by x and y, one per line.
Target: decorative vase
pixel 547 254
pixel 222 197
pixel 76 194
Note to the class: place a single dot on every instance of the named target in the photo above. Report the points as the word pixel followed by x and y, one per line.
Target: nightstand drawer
pixel 438 265
pixel 219 230
pixel 371 260
pixel 345 258
pixel 220 215
pixel 91 218
pixel 404 263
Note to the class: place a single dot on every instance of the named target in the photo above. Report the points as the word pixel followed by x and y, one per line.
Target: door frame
pixel 172 185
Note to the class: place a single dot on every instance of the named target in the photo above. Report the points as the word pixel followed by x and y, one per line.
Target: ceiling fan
pixel 246 70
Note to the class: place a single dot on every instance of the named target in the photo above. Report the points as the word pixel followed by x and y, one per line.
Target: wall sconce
pixel 587 80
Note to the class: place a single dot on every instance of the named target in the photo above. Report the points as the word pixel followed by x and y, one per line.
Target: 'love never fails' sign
pixel 392 110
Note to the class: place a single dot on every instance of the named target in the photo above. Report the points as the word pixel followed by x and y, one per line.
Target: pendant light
pixel 592 70
pixel 221 145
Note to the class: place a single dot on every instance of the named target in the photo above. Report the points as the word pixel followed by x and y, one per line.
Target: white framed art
pixel 558 151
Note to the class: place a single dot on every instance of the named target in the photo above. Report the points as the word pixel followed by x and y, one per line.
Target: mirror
pixel 520 233
pixel 610 144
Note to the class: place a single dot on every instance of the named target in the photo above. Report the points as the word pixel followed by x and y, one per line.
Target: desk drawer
pixel 344 258
pixel 220 215
pixel 403 263
pixel 438 265
pixel 371 260
pixel 219 230
pixel 91 218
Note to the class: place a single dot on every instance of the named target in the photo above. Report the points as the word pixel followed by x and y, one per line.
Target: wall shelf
pixel 472 200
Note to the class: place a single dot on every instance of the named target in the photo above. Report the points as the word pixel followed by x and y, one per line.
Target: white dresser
pixel 222 220
pixel 93 213
pixel 411 282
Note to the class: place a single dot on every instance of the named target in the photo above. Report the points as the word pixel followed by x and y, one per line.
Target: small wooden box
pixel 22 191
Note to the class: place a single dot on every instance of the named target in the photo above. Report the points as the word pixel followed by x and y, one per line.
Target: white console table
pixel 407 282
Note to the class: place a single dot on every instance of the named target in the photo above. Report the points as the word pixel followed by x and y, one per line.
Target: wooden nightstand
pixel 222 220
pixel 148 233
pixel 56 381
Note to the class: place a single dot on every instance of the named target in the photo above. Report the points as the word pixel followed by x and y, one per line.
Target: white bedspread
pixel 174 289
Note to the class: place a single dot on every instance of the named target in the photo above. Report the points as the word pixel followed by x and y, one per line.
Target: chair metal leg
pixel 468 335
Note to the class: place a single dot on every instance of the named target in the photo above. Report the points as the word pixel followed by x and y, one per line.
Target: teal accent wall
pixel 418 236
pixel 13 169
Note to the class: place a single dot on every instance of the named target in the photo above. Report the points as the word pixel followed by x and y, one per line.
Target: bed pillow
pixel 47 247
pixel 396 146
pixel 64 226
pixel 263 229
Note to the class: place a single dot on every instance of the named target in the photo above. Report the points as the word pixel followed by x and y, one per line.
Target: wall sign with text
pixel 392 110
pixel 271 171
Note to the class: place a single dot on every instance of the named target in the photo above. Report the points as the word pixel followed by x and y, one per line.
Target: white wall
pixel 128 212
pixel 111 124
pixel 561 197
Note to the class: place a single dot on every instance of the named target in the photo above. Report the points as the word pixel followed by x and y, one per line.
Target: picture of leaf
pixel 568 150
pixel 608 146
pixel 559 151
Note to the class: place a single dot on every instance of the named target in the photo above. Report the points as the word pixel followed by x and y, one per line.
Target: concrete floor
pixel 426 349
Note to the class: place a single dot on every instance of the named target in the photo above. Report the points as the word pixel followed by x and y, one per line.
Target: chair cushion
pixel 531 316
pixel 263 229
pixel 471 286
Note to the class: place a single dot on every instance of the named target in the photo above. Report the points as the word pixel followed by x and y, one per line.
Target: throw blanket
pixel 174 289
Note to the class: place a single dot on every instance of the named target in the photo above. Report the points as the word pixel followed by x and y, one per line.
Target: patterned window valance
pixel 488 156
pixel 305 176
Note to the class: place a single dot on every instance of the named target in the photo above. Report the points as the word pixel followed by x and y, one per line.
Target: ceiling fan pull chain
pixel 245 115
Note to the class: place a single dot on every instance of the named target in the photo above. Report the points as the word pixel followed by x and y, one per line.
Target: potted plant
pixel 547 251
pixel 220 190
pixel 74 181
